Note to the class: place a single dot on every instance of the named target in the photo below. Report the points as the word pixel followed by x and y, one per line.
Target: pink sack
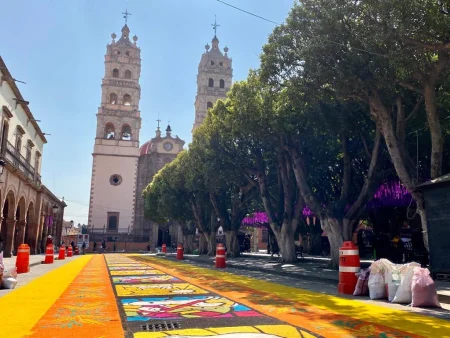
pixel 362 286
pixel 424 292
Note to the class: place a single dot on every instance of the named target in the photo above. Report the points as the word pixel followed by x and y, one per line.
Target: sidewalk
pixel 310 268
pixel 37 269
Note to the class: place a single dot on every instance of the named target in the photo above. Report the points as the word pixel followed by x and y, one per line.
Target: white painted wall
pixel 109 198
pixel 20 118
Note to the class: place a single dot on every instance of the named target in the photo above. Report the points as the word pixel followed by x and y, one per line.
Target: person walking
pixel 83 247
pixel 95 246
pixel 114 247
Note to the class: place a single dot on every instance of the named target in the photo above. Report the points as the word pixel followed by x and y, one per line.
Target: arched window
pixel 221 64
pixel 211 82
pixel 222 83
pixel 110 131
pixel 212 63
pixel 209 105
pixel 126 100
pixel 115 72
pixel 126 132
pixel 113 98
pixel 128 74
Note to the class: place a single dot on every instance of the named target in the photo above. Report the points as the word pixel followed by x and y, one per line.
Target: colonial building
pixel 116 149
pixel 215 74
pixel 154 155
pixel 29 211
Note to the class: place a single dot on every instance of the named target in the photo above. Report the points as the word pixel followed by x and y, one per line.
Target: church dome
pixel 145 148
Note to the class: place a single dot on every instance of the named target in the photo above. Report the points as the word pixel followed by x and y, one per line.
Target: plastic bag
pixel 13 272
pixel 9 283
pixel 362 286
pixel 404 291
pixel 393 283
pixel 424 292
pixel 377 288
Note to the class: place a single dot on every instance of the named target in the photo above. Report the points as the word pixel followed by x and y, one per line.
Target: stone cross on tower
pixel 215 25
pixel 126 15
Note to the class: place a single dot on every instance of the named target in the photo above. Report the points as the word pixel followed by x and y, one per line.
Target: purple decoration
pixel 392 194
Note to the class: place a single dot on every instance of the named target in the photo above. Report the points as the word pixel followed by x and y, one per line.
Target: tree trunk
pixel 203 244
pixel 332 227
pixel 423 217
pixel 188 243
pixel 437 141
pixel 285 239
pixel 233 249
pixel 212 244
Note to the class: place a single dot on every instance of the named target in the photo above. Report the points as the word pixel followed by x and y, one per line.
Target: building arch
pixel 110 131
pixel 128 74
pixel 222 83
pixel 126 100
pixel 126 132
pixel 113 98
pixel 7 230
pixel 211 82
pixel 115 72
pixel 209 105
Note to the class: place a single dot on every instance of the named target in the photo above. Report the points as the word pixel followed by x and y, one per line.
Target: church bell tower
pixel 215 75
pixel 116 148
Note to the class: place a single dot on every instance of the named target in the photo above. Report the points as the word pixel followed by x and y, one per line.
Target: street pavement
pixel 132 295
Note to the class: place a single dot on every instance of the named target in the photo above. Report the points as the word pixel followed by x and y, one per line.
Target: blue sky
pixel 57 47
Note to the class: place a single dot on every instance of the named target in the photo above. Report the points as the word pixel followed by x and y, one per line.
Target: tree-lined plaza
pixel 349 95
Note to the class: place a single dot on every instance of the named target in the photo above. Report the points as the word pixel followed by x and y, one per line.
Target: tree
pixel 229 191
pixel 166 199
pixel 369 51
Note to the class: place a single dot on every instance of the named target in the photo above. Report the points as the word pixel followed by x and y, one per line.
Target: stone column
pixel 9 240
pixel 33 233
pixel 45 232
pixel 20 231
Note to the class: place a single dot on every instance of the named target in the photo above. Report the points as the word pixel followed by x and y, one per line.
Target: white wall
pixel 109 198
pixel 20 118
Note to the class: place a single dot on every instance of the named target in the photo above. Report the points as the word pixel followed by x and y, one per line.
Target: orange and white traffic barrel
pixel 23 259
pixel 349 266
pixel 180 252
pixel 220 257
pixel 49 254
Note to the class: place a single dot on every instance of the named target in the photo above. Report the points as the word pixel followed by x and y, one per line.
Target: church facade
pixel 121 169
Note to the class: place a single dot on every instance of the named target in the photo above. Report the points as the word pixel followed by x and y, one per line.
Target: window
pixel 212 63
pixel 222 83
pixel 113 98
pixel 29 154
pixel 110 131
pixel 221 64
pixel 19 143
pixel 127 100
pixel 115 72
pixel 209 105
pixel 37 161
pixel 118 52
pixel 113 221
pixel 211 82
pixel 126 132
pixel 5 131
pixel 115 180
pixel 128 74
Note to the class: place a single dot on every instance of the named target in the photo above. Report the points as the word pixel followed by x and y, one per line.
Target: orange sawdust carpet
pixel 320 314
pixel 86 309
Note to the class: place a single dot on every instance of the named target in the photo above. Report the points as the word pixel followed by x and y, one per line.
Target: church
pixel 121 167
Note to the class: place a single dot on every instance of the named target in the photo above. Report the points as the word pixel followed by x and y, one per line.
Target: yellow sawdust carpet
pixel 326 315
